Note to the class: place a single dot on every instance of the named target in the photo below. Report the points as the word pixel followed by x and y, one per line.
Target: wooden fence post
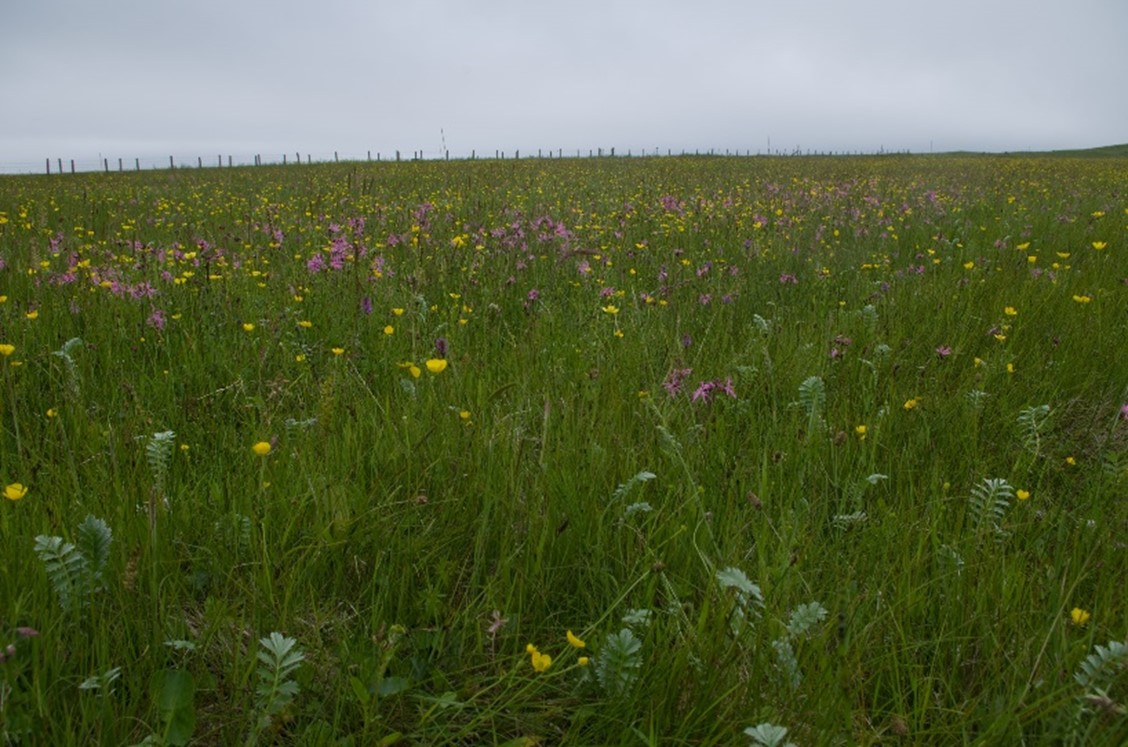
pixel 137 164
pixel 369 155
pixel 121 166
pixel 106 165
pixel 335 157
pixel 199 162
pixel 48 167
pixel 283 159
pixel 72 165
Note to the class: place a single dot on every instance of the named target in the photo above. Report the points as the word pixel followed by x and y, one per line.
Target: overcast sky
pixel 151 78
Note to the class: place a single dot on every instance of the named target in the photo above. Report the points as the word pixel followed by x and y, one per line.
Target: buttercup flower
pixel 15 491
pixel 1079 616
pixel 541 662
pixel 6 349
pixel 911 403
pixel 1022 495
pixel 248 327
pixel 574 641
pixel 436 365
pixel 860 431
pixel 262 448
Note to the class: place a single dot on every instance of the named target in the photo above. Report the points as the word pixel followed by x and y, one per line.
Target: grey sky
pixel 150 78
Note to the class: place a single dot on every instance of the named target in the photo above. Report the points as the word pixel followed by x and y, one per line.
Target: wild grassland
pixel 839 445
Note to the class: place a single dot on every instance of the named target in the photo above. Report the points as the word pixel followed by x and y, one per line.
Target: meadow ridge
pixel 670 451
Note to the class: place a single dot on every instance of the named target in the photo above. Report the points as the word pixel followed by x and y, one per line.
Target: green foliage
pixel 768 735
pixel 1031 422
pixel 158 452
pixel 619 663
pixel 989 502
pixel 174 691
pixel 812 398
pixel 625 488
pixel 1099 668
pixel 438 500
pixel 804 617
pixel 279 658
pixel 75 570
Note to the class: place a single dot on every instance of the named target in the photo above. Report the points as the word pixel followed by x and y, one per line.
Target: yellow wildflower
pixel 911 403
pixel 337 351
pixel 1070 461
pixel 262 448
pixel 52 412
pixel 1079 616
pixel 583 661
pixel 611 309
pixel 15 491
pixel 574 641
pixel 1010 311
pixel 33 314
pixel 397 311
pixel 860 430
pixel 1082 299
pixel 389 330
pixel 305 324
pixel 248 327
pixel 436 365
pixel 1098 245
pixel 6 349
pixel 540 662
pixel 1022 495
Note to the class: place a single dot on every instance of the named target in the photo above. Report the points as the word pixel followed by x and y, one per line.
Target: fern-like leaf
pixel 804 617
pixel 279 657
pixel 812 397
pixel 1100 667
pixel 158 452
pixel 626 487
pixel 93 542
pixel 619 662
pixel 65 566
pixel 1031 422
pixel 768 735
pixel 989 501
pixel 788 664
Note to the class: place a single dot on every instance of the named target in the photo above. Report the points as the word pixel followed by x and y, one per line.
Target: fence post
pixel 48 167
pixel 335 160
pixel 121 166
pixel 283 159
pixel 72 165
pixel 106 165
pixel 298 158
pixel 369 155
pixel 199 162
pixel 137 164
pixel 60 165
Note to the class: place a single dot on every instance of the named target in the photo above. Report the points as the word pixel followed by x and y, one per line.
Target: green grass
pixel 805 552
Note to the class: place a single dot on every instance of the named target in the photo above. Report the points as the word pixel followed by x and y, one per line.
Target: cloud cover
pixel 128 78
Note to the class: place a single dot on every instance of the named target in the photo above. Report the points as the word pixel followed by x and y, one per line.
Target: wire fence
pixel 106 164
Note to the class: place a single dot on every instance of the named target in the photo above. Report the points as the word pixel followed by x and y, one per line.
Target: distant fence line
pixel 55 166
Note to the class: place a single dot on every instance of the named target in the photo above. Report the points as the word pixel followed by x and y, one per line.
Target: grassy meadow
pixel 678 451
